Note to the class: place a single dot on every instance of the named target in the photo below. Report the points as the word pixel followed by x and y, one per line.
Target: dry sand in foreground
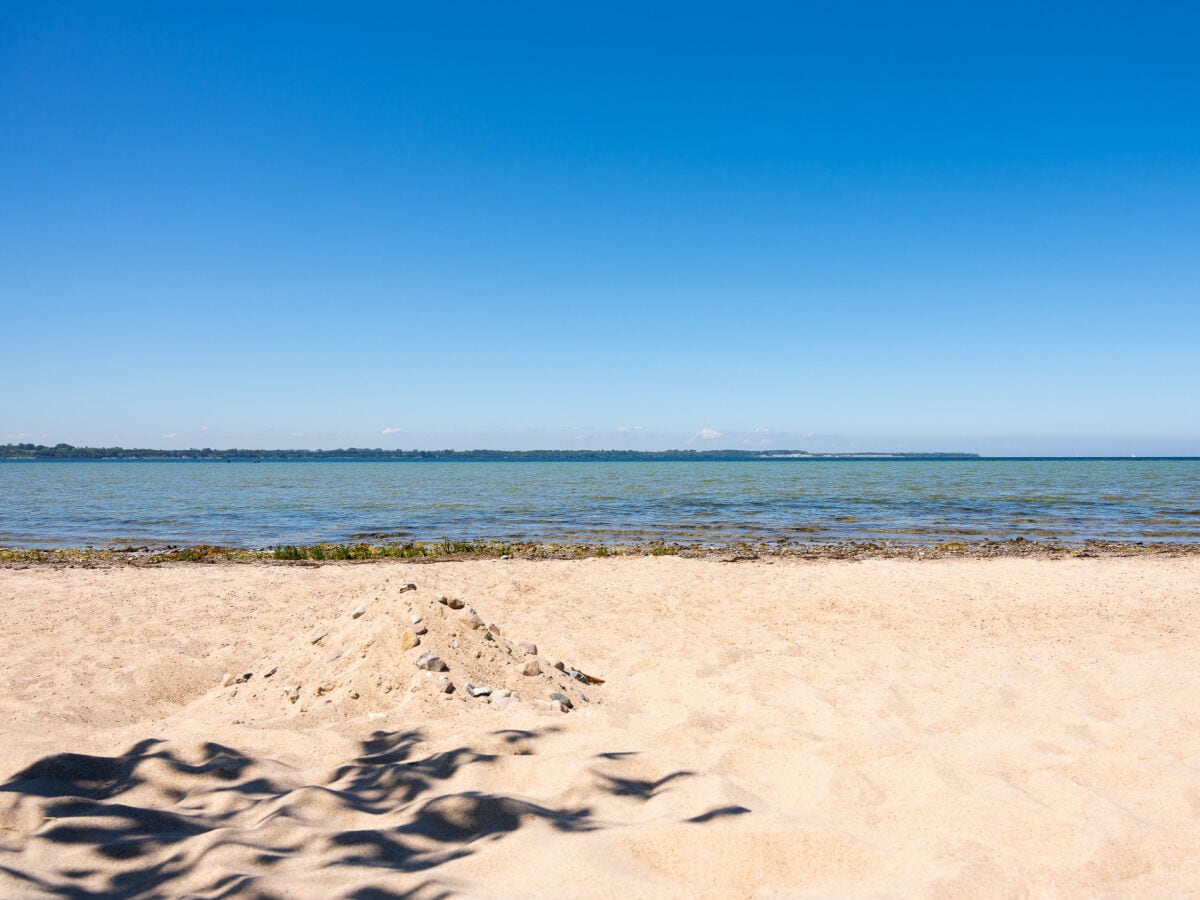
pixel 952 727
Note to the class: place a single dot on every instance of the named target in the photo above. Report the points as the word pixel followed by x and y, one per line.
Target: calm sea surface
pixel 262 504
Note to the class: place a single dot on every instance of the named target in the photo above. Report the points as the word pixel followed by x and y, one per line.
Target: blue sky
pixel 821 226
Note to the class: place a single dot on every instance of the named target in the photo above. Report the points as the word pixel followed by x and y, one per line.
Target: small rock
pixel 455 603
pixel 501 702
pixel 478 691
pixel 358 611
pixel 560 665
pixel 273 670
pixel 531 668
pixel 445 685
pixel 494 629
pixel 506 556
pixel 406 587
pixel 501 693
pixel 471 619
pixel 292 693
pixel 419 629
pixel 354 695
pixel 529 647
pixel 416 620
pixel 228 680
pixel 334 656
pixel 242 679
pixel 431 662
pixel 317 638
pixel 408 640
pixel 563 699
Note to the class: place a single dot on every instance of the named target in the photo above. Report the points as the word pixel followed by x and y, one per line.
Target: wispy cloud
pixel 706 434
pixel 392 431
pixel 764 431
pixel 170 435
pixel 626 429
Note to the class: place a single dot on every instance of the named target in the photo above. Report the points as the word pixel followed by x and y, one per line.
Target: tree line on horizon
pixel 68 451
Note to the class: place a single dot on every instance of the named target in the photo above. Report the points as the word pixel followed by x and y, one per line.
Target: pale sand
pixel 952 727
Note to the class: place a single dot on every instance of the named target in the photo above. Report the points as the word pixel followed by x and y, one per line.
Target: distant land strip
pixel 67 451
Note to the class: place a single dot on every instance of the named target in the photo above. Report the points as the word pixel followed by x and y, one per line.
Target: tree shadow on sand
pixel 161 821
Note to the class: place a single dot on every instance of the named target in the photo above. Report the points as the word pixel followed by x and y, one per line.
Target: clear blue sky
pixel 824 226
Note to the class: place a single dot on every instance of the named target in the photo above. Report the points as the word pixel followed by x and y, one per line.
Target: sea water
pixel 249 504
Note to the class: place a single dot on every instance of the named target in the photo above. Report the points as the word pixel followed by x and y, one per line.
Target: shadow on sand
pixel 156 821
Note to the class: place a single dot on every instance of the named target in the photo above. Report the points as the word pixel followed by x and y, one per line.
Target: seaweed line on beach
pixel 448 550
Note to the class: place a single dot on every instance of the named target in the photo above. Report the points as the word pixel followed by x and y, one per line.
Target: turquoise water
pixel 261 504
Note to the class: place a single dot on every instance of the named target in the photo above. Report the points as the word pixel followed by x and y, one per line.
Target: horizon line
pixel 45 452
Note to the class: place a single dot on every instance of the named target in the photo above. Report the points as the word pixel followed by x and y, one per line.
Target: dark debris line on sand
pixel 327 554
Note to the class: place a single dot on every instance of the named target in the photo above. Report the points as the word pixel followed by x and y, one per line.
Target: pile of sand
pixel 403 653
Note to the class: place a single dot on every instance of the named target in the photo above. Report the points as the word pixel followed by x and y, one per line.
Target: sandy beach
pixel 952 727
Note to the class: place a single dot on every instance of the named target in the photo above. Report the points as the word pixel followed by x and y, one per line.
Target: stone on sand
pixel 431 662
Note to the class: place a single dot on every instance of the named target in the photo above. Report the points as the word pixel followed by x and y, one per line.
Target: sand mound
pixel 405 653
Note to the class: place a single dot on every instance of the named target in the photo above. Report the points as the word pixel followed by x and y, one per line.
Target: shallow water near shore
pixel 251 504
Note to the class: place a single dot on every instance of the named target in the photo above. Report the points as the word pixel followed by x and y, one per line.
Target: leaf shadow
pixel 159 820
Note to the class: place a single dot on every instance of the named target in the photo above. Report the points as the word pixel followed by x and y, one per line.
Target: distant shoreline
pixel 14 453
pixel 69 452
